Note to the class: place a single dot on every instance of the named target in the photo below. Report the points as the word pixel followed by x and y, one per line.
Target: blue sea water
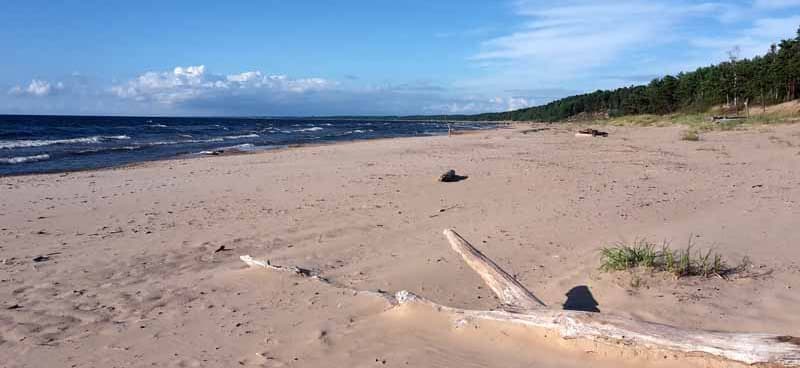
pixel 39 144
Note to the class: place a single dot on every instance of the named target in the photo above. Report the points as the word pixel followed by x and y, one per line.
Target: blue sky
pixel 273 57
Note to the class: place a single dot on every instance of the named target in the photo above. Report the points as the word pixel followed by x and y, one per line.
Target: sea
pixel 45 144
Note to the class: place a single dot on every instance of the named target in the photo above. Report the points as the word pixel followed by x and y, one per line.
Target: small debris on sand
pixel 534 130
pixel 450 176
pixel 591 133
pixel 222 249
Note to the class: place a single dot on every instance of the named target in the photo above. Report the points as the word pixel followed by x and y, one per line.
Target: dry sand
pixel 132 279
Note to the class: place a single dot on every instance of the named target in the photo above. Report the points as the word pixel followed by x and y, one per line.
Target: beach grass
pixel 690 135
pixel 701 122
pixel 684 262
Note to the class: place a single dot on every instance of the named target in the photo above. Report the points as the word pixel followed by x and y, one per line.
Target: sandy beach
pixel 139 266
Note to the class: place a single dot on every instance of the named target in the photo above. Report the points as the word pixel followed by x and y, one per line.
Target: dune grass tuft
pixel 690 135
pixel 622 257
pixel 679 262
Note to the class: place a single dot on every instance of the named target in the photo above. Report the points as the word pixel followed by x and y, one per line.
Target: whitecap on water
pixel 242 136
pixel 23 159
pixel 239 148
pixel 48 142
pixel 312 129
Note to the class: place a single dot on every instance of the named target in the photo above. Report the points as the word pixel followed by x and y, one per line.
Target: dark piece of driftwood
pixel 533 130
pixel 521 307
pixel 591 133
pixel 726 119
pixel 451 176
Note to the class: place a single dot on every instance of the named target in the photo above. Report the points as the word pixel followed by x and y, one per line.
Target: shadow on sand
pixel 580 298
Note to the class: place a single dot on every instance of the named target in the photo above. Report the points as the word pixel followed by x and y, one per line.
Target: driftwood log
pixel 521 307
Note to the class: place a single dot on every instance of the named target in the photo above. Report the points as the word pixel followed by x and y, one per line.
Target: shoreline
pixel 199 155
pixel 139 265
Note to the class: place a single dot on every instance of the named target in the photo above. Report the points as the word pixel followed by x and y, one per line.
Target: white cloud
pixel 571 44
pixel 37 88
pixel 776 4
pixel 478 105
pixel 753 40
pixel 184 84
pixel 581 34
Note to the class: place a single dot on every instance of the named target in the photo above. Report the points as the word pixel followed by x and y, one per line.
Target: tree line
pixel 763 80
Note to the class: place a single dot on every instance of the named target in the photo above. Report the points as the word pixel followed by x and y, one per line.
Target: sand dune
pixel 128 276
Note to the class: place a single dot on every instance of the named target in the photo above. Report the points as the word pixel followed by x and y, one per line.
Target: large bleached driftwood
pixel 511 293
pixel 521 307
pixel 527 310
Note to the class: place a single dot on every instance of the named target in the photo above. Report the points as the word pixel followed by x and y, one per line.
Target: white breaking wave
pixel 158 126
pixel 242 136
pixel 162 143
pixel 243 147
pixel 23 159
pixel 312 129
pixel 45 142
pixel 246 147
pixel 357 131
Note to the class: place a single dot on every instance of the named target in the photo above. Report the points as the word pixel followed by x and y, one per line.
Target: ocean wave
pixel 158 126
pixel 164 143
pixel 240 148
pixel 312 129
pixel 357 131
pixel 242 136
pixel 23 159
pixel 108 149
pixel 49 142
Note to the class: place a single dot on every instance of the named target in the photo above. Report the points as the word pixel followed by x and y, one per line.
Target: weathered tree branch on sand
pixel 314 275
pixel 521 307
pixel 266 264
pixel 513 295
pixel 747 348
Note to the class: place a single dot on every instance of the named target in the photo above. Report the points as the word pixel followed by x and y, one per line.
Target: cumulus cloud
pixel 37 88
pixel 185 84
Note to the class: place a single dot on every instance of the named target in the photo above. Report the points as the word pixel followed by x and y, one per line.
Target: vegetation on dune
pixel 680 262
pixel 682 99
pixel 690 135
pixel 763 80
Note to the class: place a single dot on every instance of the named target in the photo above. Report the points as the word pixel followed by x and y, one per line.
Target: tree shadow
pixel 580 298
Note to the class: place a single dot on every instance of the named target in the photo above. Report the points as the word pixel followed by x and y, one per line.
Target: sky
pixel 371 57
